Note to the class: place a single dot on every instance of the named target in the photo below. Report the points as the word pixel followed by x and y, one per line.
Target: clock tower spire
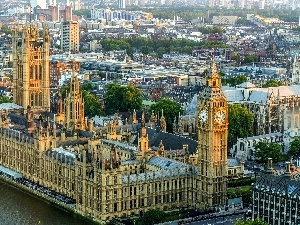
pixel 212 123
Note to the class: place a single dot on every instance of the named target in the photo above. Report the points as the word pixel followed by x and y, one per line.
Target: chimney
pixel 270 166
pixel 270 163
pixel 288 169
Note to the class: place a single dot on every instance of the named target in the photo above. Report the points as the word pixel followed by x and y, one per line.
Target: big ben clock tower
pixel 212 122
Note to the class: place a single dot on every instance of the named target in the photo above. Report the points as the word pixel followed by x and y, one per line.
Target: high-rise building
pixel 122 4
pixel 70 36
pixel 212 121
pixel 31 74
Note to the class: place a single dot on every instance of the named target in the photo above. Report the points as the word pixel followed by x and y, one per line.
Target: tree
pixel 145 50
pixel 122 98
pixel 264 150
pixel 160 51
pixel 240 123
pixel 101 74
pixel 154 216
pixel 273 83
pixel 6 30
pixel 4 99
pixel 170 109
pixel 64 90
pixel 92 104
pixel 250 59
pixel 211 30
pixel 244 192
pixel 294 150
pixel 250 222
pixel 235 57
pixel 88 86
pixel 83 12
pixel 222 73
pixel 233 81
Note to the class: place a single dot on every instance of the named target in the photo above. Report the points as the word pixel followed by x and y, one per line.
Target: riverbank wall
pixel 50 200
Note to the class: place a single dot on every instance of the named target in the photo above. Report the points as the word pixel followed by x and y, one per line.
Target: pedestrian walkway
pixel 205 217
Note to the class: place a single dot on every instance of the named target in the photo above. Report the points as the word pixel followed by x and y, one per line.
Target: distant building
pixel 70 36
pixel 57 68
pixel 231 20
pixel 296 70
pixel 40 3
pixel 276 197
pixel 122 4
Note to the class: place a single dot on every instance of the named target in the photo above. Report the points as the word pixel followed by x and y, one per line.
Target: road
pixel 226 220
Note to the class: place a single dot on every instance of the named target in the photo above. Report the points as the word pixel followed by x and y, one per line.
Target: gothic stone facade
pixel 31 68
pixel 107 178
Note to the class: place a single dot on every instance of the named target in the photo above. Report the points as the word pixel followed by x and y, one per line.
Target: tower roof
pixel 213 72
pixel 213 83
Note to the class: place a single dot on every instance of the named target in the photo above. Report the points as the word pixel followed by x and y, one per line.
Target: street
pixel 227 220
pixel 222 220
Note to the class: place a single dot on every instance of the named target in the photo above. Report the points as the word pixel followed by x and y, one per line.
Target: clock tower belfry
pixel 212 124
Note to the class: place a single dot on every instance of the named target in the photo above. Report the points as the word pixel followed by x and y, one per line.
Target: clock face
pixel 220 116
pixel 203 116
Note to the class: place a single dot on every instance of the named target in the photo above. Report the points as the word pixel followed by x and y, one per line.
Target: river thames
pixel 20 208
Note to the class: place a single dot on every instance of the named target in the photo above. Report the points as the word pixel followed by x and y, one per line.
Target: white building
pixel 41 3
pixel 122 4
pixel 296 70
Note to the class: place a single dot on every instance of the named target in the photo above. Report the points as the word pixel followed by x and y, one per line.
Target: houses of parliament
pixel 113 171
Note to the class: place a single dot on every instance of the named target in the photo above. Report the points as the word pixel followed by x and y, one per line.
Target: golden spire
pixel 213 79
pixel 214 69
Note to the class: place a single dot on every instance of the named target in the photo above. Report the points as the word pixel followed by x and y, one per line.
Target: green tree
pixel 170 109
pixel 160 51
pixel 83 12
pixel 145 50
pixel 222 73
pixel 92 104
pixel 4 99
pixel 154 216
pixel 244 192
pixel 122 98
pixel 250 59
pixel 88 86
pixel 205 72
pixel 240 123
pixel 64 90
pixel 264 150
pixel 6 30
pixel 233 81
pixel 250 222
pixel 211 30
pixel 295 148
pixel 273 83
pixel 235 57
pixel 101 74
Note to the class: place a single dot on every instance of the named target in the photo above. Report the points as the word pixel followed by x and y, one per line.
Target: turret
pixel 163 124
pixel 74 106
pixel 134 120
pixel 143 140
